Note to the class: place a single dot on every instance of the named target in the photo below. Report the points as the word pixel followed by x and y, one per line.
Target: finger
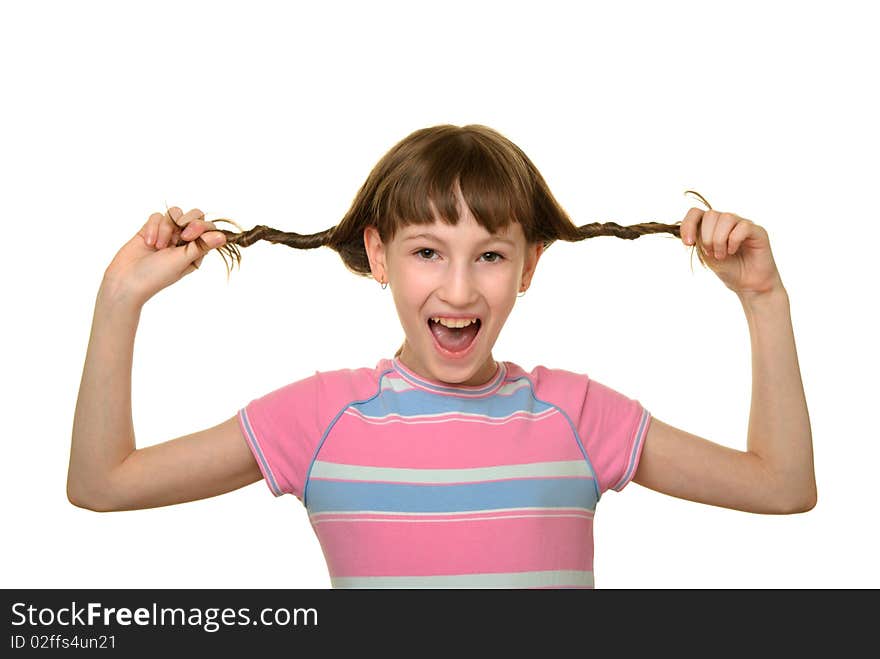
pixel 195 250
pixel 151 229
pixel 723 227
pixel 196 228
pixel 688 229
pixel 214 239
pixel 166 228
pixel 706 229
pixel 740 232
pixel 189 216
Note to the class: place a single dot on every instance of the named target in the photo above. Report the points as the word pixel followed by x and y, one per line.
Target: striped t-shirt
pixel 414 483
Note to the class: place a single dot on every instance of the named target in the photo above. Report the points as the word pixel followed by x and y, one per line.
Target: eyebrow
pixel 431 236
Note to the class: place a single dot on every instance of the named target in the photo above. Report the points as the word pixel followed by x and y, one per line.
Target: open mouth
pixel 455 341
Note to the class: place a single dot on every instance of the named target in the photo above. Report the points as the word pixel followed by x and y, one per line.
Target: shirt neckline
pixel 434 386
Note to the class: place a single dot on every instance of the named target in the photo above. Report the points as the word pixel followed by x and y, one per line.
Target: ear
pixel 533 253
pixel 375 253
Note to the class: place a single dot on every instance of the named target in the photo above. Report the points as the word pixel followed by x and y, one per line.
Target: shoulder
pixel 352 382
pixel 574 392
pixel 547 377
pixel 330 387
pixel 549 382
pixel 540 372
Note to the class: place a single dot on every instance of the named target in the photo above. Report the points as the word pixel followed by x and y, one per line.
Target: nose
pixel 459 287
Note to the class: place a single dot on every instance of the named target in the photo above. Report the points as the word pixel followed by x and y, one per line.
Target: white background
pixel 274 113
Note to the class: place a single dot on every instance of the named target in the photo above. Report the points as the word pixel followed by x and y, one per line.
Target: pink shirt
pixel 413 483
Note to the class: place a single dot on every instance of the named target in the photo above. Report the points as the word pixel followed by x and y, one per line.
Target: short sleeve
pixel 283 430
pixel 613 429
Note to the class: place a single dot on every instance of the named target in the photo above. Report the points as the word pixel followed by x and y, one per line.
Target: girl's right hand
pixel 152 259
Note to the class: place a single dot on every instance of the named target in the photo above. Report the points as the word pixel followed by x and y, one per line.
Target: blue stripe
pixel 329 496
pixel 256 445
pixel 416 402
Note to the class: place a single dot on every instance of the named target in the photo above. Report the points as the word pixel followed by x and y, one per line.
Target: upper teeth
pixel 454 322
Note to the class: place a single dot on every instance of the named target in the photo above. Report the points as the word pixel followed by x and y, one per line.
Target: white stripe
pixel 545 578
pixel 448 513
pixel 396 384
pixel 511 387
pixel 639 439
pixel 330 517
pixel 255 445
pixel 446 417
pixel 556 469
pixel 399 384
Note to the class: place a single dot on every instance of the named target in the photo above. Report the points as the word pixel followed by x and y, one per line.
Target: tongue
pixel 454 339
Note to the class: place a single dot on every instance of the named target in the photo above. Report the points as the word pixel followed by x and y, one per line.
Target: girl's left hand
pixel 734 248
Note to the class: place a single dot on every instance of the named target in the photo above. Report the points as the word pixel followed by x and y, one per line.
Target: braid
pixel 630 232
pixel 261 232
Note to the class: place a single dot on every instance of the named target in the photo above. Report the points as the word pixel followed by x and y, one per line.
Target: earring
pixel 384 285
pixel 522 292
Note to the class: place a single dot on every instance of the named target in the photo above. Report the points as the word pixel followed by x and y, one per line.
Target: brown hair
pixel 422 172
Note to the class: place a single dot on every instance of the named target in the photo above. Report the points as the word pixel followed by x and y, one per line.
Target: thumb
pixel 193 252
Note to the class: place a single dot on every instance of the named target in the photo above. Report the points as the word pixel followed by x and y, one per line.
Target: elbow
pixel 790 492
pixel 78 501
pixel 85 502
pixel 801 504
pixel 798 507
pixel 806 505
pixel 91 505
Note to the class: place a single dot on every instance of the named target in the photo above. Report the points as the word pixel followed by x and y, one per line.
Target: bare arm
pixel 106 471
pixel 776 473
pixel 103 433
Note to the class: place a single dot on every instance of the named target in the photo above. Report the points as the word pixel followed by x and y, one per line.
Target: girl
pixel 442 467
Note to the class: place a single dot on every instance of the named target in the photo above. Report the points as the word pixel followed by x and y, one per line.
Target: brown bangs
pixel 426 170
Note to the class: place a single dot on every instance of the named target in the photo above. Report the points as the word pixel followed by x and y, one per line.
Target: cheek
pixel 500 286
pixel 409 298
pixel 500 294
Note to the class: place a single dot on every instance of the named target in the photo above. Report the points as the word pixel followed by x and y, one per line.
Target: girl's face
pixel 440 270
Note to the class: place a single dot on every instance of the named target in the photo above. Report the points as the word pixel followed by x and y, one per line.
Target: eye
pixel 494 257
pixel 426 254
